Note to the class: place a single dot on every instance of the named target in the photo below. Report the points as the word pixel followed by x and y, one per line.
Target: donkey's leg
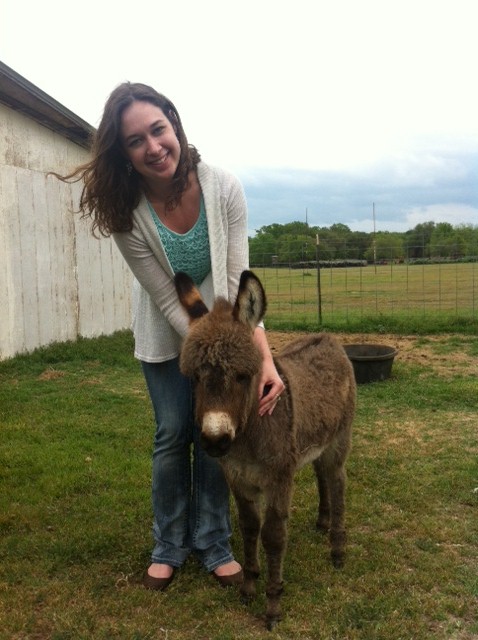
pixel 323 517
pixel 334 470
pixel 250 525
pixel 274 540
pixel 338 536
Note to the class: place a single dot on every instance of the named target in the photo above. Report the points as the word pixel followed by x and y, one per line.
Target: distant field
pixel 397 291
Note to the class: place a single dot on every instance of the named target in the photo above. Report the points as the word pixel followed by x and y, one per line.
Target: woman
pixel 168 211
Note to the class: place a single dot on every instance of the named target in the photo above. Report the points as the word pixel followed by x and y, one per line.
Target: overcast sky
pixel 320 107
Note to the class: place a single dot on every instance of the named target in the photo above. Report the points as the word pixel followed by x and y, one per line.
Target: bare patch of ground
pixel 434 352
pixel 51 374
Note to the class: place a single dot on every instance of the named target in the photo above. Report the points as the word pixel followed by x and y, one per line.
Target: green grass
pixel 76 432
pixel 388 298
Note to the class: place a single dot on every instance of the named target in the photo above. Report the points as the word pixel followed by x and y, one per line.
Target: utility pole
pixel 374 239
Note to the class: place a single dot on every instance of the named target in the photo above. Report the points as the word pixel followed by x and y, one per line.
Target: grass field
pixel 396 296
pixel 76 432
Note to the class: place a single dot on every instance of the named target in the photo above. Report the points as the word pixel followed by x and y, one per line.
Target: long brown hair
pixel 112 188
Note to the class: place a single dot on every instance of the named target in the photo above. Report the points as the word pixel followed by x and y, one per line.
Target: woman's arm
pixel 237 260
pixel 237 236
pixel 152 277
pixel 270 378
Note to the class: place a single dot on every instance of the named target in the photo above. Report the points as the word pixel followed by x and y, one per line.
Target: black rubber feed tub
pixel 371 362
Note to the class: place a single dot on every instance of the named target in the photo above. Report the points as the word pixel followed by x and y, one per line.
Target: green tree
pixel 417 240
pixel 469 234
pixel 388 246
pixel 339 236
pixel 262 249
pixel 292 249
pixel 447 241
pixel 358 245
pixel 272 230
pixel 465 241
pixel 296 228
pixel 295 242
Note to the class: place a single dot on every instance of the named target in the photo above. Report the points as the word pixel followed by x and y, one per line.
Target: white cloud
pixel 453 213
pixel 377 96
pixel 311 84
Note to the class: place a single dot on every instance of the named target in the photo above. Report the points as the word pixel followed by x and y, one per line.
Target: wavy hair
pixel 112 187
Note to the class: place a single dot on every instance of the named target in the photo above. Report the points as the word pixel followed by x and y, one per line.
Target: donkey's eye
pixel 242 378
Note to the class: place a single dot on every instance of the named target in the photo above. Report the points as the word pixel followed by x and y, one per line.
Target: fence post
pixel 319 291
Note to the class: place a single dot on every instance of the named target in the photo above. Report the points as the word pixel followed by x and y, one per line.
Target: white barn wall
pixel 57 282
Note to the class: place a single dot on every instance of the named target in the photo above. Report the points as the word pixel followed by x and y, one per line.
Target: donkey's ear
pixel 251 303
pixel 189 296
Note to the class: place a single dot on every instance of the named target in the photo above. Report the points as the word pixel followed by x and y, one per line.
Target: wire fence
pixel 347 289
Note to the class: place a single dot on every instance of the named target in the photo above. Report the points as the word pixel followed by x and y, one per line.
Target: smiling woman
pixel 136 119
pixel 168 211
pixel 150 142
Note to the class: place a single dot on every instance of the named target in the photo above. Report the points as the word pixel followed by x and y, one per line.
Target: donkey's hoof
pixel 338 560
pixel 248 592
pixel 322 527
pixel 247 598
pixel 272 622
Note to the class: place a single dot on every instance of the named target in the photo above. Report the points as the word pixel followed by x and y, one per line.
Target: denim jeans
pixel 189 492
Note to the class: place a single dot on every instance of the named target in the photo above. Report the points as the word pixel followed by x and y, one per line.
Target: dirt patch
pixel 432 353
pixel 51 374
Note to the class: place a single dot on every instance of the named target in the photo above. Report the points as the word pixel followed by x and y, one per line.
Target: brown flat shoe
pixel 230 581
pixel 158 584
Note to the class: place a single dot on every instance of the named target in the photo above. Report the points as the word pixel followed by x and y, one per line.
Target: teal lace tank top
pixel 188 252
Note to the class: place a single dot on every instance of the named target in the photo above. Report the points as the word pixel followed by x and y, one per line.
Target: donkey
pixel 260 455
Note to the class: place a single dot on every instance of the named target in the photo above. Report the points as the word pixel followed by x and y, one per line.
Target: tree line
pixel 296 242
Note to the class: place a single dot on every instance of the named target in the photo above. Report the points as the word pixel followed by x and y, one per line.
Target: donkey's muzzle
pixel 216 446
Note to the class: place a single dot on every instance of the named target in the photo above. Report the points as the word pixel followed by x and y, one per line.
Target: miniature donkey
pixel 311 423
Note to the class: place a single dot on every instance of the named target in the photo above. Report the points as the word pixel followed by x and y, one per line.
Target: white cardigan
pixel 159 321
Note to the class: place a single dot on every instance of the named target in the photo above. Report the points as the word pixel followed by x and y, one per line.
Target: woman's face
pixel 150 142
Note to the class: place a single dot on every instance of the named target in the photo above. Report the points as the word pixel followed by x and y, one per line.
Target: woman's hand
pixel 270 388
pixel 270 383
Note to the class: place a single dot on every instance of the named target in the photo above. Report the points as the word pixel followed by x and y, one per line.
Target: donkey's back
pixel 321 385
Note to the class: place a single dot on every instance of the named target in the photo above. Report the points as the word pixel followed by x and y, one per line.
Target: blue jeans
pixel 189 492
